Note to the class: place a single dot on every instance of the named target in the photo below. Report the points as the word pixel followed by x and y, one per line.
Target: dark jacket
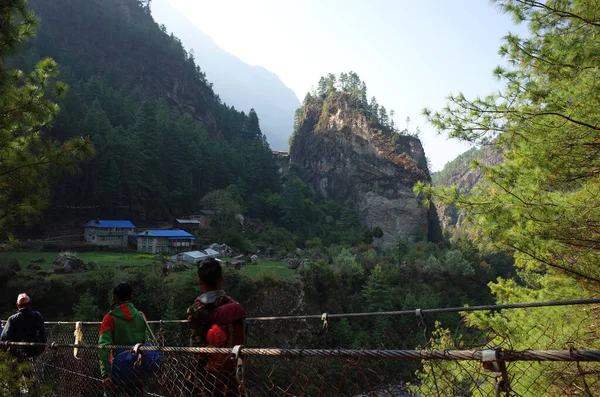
pixel 25 326
pixel 212 308
pixel 215 308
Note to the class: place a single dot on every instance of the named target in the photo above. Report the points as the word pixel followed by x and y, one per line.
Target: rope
pixel 437 310
pixel 527 355
pixel 72 372
pixel 377 314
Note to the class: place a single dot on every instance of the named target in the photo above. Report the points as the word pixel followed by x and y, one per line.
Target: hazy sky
pixel 411 53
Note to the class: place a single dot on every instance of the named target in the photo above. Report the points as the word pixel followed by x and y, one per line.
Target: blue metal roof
pixel 171 234
pixel 109 224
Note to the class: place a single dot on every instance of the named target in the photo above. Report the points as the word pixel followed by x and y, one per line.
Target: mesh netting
pixel 389 358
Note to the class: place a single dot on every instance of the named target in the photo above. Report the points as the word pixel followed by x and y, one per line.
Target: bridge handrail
pixel 377 314
pixel 505 355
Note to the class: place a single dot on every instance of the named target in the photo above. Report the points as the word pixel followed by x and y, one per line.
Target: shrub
pixel 345 263
pixel 86 309
pixel 457 265
pixel 238 241
pixel 13 265
pixel 13 378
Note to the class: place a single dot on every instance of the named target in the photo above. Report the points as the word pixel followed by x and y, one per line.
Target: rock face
pixel 459 173
pixel 340 155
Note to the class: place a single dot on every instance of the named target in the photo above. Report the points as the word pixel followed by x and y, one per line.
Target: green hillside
pixel 454 169
pixel 162 136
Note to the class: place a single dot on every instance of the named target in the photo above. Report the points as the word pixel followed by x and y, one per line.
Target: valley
pixel 133 149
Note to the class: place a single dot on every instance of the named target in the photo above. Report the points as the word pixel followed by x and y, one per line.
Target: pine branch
pixel 561 13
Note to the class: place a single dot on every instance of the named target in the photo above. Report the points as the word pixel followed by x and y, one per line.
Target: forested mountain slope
pixel 459 173
pixel 455 169
pixel 237 83
pixel 163 138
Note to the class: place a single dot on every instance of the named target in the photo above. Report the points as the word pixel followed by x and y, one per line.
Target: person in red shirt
pixel 215 320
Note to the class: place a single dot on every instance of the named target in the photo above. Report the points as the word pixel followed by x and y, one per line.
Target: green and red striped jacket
pixel 123 325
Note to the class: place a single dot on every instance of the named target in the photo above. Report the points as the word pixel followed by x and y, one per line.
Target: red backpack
pixel 223 325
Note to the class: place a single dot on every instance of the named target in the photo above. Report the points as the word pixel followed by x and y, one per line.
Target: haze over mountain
pixel 237 83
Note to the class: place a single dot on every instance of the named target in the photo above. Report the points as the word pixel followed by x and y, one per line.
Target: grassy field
pixel 100 257
pixel 104 258
pixel 274 269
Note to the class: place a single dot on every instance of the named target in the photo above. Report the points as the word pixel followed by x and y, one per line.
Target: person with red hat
pixel 27 325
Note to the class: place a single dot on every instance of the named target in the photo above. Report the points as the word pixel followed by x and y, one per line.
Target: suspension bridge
pixel 398 353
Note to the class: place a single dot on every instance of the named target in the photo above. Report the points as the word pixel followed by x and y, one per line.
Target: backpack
pixel 134 366
pixel 131 368
pixel 221 324
pixel 216 337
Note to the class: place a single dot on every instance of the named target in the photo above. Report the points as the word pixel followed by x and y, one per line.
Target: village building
pixel 212 253
pixel 196 257
pixel 281 154
pixel 189 225
pixel 115 233
pixel 164 241
pixel 203 217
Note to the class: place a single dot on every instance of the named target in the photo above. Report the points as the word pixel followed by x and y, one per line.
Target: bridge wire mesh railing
pixel 310 356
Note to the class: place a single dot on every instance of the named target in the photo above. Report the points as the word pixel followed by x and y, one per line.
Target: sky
pixel 410 53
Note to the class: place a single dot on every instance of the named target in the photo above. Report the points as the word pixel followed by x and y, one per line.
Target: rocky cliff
pixel 459 173
pixel 343 155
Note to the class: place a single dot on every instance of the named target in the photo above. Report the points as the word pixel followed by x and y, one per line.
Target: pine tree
pixel 541 202
pixel 253 125
pixel 377 234
pixel 402 249
pixel 364 103
pixel 113 184
pixel 349 219
pixel 354 81
pixel 383 116
pixel 330 83
pixel 377 291
pixel 322 87
pixel 374 109
pixel 367 236
pixel 295 205
pixel 344 82
pixel 392 122
pixel 26 157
